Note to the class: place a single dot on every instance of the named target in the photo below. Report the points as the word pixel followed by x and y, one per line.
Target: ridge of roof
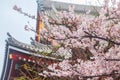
pixel 64 6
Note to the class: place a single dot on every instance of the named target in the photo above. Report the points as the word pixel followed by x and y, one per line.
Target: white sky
pixel 13 22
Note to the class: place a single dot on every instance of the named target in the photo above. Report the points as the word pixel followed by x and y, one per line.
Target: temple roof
pixel 47 4
pixel 33 49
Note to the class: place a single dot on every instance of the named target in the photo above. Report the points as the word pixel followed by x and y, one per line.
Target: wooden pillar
pixel 39 26
pixel 37 37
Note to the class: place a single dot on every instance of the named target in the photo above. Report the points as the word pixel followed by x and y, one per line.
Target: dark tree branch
pixel 101 38
pixel 107 59
pixel 107 75
pixel 112 59
pixel 66 38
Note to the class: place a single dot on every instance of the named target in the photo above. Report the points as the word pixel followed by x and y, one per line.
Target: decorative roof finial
pixel 40 5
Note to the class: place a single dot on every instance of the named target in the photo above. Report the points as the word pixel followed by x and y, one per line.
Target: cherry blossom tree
pixel 93 42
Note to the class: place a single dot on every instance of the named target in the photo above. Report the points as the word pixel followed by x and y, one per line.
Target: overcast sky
pixel 13 22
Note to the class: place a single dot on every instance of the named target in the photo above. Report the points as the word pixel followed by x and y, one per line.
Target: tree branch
pixel 24 13
pixel 101 75
pixel 112 59
pixel 101 38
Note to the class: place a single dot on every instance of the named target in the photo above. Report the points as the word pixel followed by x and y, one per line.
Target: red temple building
pixel 18 54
